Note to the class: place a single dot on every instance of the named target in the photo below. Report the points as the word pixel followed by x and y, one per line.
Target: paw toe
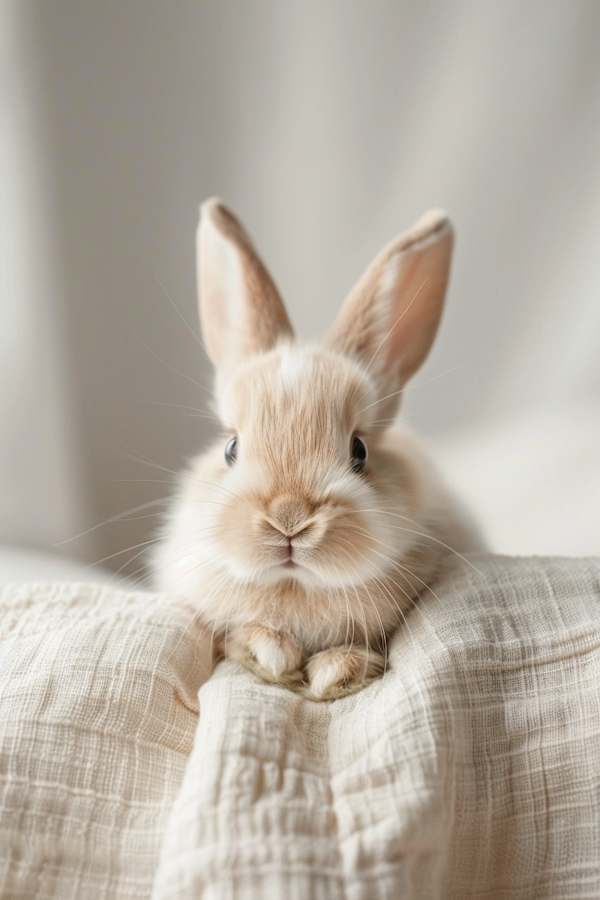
pixel 341 671
pixel 271 654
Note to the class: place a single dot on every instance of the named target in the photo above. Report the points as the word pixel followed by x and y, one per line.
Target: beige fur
pixel 363 545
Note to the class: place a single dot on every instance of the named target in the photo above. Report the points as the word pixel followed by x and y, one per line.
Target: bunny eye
pixel 231 451
pixel 359 454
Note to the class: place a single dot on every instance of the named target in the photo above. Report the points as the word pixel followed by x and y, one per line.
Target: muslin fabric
pixel 98 708
pixel 470 770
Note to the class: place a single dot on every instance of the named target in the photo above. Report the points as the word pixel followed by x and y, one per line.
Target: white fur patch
pixel 271 655
pixel 295 367
pixel 326 675
pixel 274 651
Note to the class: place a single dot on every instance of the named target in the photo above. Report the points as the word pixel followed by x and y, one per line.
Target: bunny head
pixel 303 465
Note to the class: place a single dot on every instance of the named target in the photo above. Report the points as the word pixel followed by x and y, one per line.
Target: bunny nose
pixel 289 515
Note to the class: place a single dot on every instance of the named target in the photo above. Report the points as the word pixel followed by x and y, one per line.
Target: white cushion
pixel 98 710
pixel 471 770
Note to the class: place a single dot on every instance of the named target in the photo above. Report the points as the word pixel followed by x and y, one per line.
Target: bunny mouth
pixel 288 561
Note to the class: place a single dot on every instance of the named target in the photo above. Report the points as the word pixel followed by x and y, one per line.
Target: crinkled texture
pixel 471 770
pixel 98 709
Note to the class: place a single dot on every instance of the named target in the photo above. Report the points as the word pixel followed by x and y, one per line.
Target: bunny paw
pixel 341 671
pixel 273 655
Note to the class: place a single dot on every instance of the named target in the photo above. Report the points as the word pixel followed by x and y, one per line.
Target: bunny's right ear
pixel 390 319
pixel 240 308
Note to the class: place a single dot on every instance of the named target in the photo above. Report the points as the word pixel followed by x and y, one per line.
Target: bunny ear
pixel 390 319
pixel 240 307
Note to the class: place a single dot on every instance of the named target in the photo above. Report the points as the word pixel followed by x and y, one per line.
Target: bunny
pixel 306 532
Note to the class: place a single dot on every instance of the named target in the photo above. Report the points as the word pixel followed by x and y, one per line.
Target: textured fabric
pixel 471 770
pixel 98 710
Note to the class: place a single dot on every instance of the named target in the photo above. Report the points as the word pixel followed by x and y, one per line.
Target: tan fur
pixel 271 654
pixel 259 319
pixel 364 545
pixel 391 317
pixel 341 670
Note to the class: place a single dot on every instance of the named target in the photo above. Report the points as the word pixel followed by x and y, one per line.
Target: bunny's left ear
pixel 391 317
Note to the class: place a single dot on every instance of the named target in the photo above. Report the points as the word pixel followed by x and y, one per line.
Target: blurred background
pixel 329 126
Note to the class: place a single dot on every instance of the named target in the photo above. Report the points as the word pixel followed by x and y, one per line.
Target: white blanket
pixel 471 770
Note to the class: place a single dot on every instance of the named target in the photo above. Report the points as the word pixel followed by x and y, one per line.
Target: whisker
pixel 387 334
pixel 172 368
pixel 118 553
pixel 183 319
pixel 195 409
pixel 422 534
pixel 402 390
pixel 395 564
pixel 141 458
pixel 116 518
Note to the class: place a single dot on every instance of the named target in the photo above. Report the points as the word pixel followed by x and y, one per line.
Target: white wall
pixel 42 487
pixel 329 126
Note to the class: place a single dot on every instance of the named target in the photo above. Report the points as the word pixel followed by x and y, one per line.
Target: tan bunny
pixel 306 533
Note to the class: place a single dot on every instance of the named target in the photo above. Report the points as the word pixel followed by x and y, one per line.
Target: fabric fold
pixel 468 771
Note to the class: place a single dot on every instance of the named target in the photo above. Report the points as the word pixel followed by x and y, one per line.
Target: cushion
pixel 471 770
pixel 98 709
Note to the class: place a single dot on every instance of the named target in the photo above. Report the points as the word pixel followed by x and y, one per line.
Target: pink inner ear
pixel 390 319
pixel 216 281
pixel 417 278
